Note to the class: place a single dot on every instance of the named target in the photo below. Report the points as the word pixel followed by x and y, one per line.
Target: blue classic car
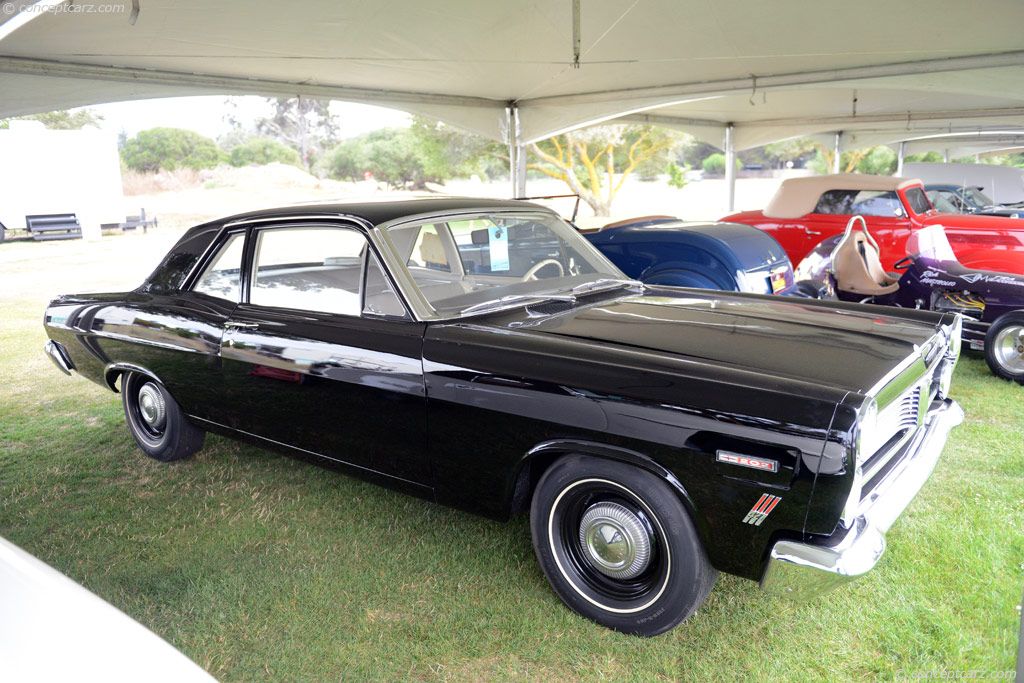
pixel 661 250
pixel 969 199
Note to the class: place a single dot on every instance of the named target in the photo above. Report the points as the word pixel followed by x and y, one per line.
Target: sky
pixel 206 115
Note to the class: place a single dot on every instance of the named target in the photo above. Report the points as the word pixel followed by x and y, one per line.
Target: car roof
pixel 797 197
pixel 951 186
pixel 378 212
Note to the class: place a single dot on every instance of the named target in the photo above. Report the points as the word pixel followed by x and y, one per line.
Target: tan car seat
pixel 432 251
pixel 858 269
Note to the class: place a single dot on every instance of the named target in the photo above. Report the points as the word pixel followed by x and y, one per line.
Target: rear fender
pixel 115 370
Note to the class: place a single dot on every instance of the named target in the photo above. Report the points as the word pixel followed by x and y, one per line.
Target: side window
pixel 874 203
pixel 378 296
pixel 310 269
pixel 222 278
pixel 835 202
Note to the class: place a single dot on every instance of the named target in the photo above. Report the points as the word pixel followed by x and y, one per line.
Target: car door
pixel 182 332
pixel 321 354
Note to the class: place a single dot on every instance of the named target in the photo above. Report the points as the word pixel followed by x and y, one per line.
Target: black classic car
pixel 482 354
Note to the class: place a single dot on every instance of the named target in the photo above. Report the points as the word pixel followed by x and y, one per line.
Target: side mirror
pixel 898 212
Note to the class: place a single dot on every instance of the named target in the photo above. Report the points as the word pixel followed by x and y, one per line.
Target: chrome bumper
pixel 806 570
pixel 59 356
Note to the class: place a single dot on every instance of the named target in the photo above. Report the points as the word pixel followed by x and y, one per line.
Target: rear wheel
pixel 1004 346
pixel 156 421
pixel 617 545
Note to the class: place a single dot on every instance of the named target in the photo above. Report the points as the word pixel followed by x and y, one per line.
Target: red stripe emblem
pixel 762 508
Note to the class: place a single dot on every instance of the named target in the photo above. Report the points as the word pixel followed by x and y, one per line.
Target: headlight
pixel 955 337
pixel 867 431
pixel 866 445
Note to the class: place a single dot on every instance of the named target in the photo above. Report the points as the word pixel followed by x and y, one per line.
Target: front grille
pixel 897 422
pixel 902 413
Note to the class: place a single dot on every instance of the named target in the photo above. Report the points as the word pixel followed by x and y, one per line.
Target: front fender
pixel 533 463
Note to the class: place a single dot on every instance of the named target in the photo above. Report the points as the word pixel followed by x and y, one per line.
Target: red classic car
pixel 806 211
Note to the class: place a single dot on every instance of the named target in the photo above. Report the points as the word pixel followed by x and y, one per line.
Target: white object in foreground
pixel 52 629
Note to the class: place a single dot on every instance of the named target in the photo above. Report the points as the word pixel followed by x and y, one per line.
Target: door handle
pixel 811 232
pixel 240 325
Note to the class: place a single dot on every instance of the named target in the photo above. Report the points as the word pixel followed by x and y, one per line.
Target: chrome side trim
pixel 284 218
pixel 803 570
pixel 59 356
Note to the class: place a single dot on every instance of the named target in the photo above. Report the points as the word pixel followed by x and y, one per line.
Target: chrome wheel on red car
pixel 618 546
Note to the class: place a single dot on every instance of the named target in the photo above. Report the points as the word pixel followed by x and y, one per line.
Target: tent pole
pixel 837 153
pixel 516 152
pixel 520 170
pixel 730 166
pixel 899 157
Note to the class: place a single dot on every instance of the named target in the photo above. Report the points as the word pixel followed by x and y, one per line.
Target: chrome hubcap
pixel 151 406
pixel 1009 348
pixel 614 540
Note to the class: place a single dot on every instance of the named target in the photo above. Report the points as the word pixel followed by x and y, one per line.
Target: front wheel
pixel 1004 346
pixel 157 421
pixel 618 546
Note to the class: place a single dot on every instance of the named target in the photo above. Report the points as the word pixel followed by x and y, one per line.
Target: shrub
pixel 170 148
pixel 676 175
pixel 262 151
pixel 715 164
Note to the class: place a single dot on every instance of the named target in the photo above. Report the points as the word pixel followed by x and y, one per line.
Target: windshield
pixel 464 265
pixel 975 196
pixel 930 243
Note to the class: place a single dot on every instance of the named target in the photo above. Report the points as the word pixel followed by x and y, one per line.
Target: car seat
pixel 857 268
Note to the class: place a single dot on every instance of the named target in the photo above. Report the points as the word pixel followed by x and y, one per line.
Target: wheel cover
pixel 1008 349
pixel 152 406
pixel 615 541
pixel 617 594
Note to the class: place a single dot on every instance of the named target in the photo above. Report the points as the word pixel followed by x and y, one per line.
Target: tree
pixel 170 148
pixel 879 160
pixel 60 120
pixel 305 124
pixel 447 152
pixel 390 154
pixel 595 162
pixel 264 151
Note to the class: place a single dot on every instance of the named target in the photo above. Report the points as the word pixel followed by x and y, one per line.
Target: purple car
pixel 992 304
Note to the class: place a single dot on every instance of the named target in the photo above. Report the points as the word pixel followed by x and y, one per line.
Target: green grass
pixel 260 567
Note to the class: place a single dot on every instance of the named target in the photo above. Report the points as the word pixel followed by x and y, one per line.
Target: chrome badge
pixel 763 464
pixel 761 509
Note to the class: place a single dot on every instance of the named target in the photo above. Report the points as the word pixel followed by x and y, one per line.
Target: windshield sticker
pixel 498 238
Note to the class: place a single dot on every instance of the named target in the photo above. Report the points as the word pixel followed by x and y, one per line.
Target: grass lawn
pixel 259 567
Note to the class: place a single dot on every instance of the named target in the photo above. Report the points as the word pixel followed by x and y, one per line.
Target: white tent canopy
pixel 519 72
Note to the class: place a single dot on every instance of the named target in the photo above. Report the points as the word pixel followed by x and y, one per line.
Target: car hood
pixel 844 346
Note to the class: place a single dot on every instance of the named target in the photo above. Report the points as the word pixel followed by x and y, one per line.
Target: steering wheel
pixel 904 262
pixel 531 274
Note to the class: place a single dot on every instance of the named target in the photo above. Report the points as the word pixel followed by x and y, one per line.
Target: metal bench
pixel 54 226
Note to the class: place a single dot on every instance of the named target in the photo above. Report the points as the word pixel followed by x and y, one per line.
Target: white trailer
pixel 59 172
